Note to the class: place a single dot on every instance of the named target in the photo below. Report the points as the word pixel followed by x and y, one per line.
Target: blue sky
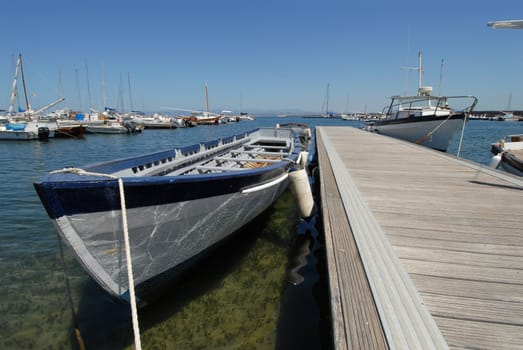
pixel 262 55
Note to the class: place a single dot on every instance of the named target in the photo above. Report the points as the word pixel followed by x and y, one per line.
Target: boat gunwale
pixel 415 119
pixel 60 191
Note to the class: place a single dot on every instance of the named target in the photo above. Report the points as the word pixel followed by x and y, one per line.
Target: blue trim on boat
pixel 69 193
pixel 61 197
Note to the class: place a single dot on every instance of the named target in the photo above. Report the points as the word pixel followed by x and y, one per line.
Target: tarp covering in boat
pixel 15 127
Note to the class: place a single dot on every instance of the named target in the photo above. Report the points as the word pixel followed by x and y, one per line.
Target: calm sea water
pixel 239 297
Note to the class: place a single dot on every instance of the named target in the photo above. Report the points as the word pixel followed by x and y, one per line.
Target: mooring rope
pixel 429 134
pixel 134 309
pixel 462 133
pixel 77 333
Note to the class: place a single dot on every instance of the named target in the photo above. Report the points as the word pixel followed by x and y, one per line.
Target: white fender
pixel 303 158
pixel 308 133
pixel 301 190
pixel 495 160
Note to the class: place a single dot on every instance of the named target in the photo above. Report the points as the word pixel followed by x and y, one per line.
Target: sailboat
pixel 206 118
pixel 201 117
pixel 423 119
pixel 326 104
pixel 25 125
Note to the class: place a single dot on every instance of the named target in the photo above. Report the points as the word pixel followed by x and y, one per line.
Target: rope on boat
pixel 430 133
pixel 78 335
pixel 134 310
pixel 462 133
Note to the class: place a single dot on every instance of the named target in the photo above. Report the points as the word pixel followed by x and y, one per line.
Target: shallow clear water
pixel 237 298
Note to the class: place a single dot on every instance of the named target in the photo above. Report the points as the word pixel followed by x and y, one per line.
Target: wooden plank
pixel 355 320
pixel 216 168
pixel 469 334
pixel 481 310
pixel 453 256
pixel 468 272
pixel 254 160
pixel 261 153
pixel 468 288
pixel 454 225
pixel 406 322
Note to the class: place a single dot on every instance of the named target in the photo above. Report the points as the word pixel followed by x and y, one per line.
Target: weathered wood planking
pixel 356 323
pixel 456 227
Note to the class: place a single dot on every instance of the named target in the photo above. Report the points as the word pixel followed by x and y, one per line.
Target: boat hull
pixel 18 135
pixel 511 164
pixel 434 132
pixel 179 203
pixel 508 156
pixel 161 236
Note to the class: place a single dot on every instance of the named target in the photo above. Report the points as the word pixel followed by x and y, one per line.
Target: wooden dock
pixel 424 250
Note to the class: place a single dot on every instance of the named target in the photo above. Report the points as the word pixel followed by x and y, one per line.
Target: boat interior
pixel 236 153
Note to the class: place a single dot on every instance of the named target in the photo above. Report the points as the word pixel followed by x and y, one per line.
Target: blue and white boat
pixel 177 203
pixel 424 119
pixel 508 154
pixel 27 130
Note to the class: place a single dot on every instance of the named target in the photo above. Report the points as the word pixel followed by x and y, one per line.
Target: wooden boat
pixel 70 131
pixel 508 154
pixel 423 119
pixel 179 203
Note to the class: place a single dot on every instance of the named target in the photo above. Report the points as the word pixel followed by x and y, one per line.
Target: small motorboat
pixel 424 119
pixel 508 154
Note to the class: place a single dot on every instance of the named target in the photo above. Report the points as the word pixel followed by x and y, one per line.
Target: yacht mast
pixel 440 77
pixel 28 106
pixel 327 102
pixel 130 94
pixel 206 99
pixel 88 86
pixel 13 93
pixel 104 101
pixel 78 90
pixel 420 69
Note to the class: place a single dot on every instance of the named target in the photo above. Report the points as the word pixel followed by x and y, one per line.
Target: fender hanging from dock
pixel 301 190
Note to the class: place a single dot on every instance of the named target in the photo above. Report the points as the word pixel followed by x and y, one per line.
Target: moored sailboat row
pixel 29 124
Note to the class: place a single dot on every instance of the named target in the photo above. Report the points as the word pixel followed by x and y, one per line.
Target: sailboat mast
pixel 420 69
pixel 241 103
pixel 440 77
pixel 13 93
pixel 206 99
pixel 28 106
pixel 104 101
pixel 130 94
pixel 88 85
pixel 78 90
pixel 327 102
